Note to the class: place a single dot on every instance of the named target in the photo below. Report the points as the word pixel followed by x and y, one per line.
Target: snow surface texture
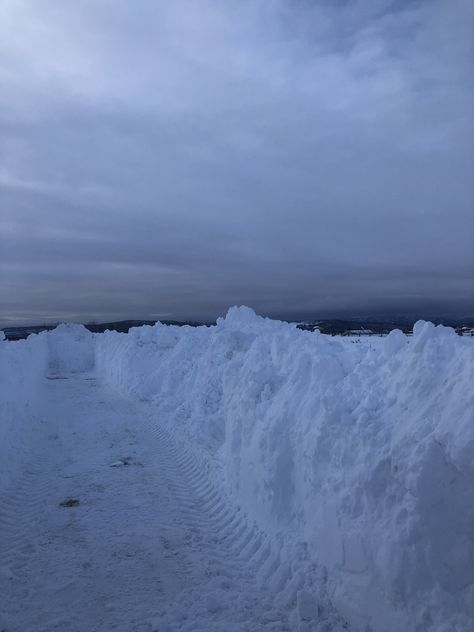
pixel 23 369
pixel 360 455
pixel 71 349
pixel 22 374
pixel 309 480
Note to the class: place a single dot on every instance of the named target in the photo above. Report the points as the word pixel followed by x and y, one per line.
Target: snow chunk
pixel 394 342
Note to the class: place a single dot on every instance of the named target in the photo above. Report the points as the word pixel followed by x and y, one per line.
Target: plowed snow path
pixel 152 544
pixel 147 526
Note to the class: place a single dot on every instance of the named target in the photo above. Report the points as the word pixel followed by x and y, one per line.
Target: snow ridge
pixel 359 454
pixel 323 483
pixel 23 366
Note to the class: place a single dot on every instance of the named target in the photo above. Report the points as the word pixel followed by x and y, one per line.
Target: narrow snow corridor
pixel 112 528
pixel 244 477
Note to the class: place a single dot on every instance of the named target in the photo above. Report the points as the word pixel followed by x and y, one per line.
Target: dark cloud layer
pixel 169 159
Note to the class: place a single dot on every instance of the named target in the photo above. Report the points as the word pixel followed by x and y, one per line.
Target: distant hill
pixel 375 327
pixel 333 327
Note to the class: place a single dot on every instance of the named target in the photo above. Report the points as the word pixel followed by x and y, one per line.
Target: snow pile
pixel 362 454
pixel 22 373
pixel 71 349
pixel 24 365
pixel 357 457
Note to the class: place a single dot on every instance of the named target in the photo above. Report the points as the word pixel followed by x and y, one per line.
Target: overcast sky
pixel 172 158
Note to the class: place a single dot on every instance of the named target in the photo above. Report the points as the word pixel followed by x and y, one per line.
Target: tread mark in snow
pixel 157 547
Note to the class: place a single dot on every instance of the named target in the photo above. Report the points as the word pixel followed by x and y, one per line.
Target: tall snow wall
pixel 70 349
pixel 23 366
pixel 365 452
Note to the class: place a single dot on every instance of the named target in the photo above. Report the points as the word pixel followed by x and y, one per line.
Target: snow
pixel 22 370
pixel 70 349
pixel 340 473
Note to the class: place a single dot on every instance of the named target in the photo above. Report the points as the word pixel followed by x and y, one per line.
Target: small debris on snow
pixel 121 462
pixel 69 502
pixel 126 461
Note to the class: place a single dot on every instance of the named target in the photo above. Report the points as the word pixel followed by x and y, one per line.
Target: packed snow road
pixel 112 528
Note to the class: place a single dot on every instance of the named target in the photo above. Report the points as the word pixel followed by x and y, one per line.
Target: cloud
pixel 180 157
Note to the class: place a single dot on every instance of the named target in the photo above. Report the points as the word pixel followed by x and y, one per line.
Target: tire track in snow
pixel 154 544
pixel 19 507
pixel 250 586
pixel 203 511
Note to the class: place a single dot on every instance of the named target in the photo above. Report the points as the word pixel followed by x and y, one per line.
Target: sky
pixel 308 158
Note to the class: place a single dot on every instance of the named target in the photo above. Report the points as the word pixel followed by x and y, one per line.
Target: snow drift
pixel 362 453
pixel 71 349
pixel 23 366
pixel 359 455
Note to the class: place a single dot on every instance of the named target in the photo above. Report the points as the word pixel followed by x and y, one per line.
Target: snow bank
pixel 71 349
pixel 22 373
pixel 364 453
pixel 24 365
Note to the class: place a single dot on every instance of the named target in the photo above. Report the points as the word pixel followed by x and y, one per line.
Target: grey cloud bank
pixel 171 159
